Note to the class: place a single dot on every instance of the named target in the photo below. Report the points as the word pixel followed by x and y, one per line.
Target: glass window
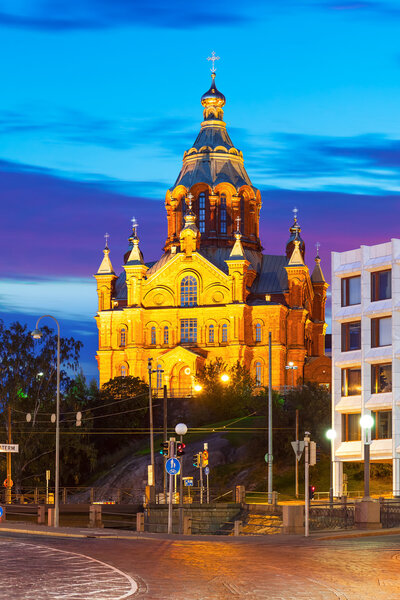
pixel 211 334
pixel 351 428
pixel 381 332
pixel 223 213
pixel 242 214
pixel 351 382
pixel 351 290
pixel 159 376
pixel 189 291
pixel 166 335
pixel 224 333
pixel 188 330
pixel 382 429
pixel 184 210
pixel 351 336
pixel 258 332
pixel 258 374
pixel 122 337
pixel 153 336
pixel 123 371
pixel 202 212
pixel 381 378
pixel 381 285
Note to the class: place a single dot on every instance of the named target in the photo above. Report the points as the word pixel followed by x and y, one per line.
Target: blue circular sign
pixel 1 511
pixel 207 470
pixel 173 466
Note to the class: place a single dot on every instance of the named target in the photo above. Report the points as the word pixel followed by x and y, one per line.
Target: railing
pixel 335 515
pixel 76 495
pixel 390 513
pixel 184 392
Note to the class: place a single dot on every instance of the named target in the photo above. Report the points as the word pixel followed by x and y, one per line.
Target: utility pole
pixel 306 482
pixel 270 457
pixel 165 421
pixel 151 478
pixel 8 488
pixel 295 458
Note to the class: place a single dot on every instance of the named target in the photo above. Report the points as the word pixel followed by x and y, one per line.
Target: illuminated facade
pixel 213 293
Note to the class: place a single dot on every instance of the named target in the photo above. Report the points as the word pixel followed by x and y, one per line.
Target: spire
pixel 106 267
pixel 135 256
pixel 317 274
pixel 296 258
pixel 295 231
pixel 237 252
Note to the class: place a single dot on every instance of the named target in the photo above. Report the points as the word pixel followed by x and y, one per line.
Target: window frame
pixel 166 335
pixel 345 381
pixel 346 417
pixel 153 336
pixel 345 290
pixel 375 285
pixel 188 291
pixel 211 334
pixel 376 332
pixel 345 336
pixel 224 333
pixel 122 337
pixel 375 378
pixel 188 328
pixel 376 429
pixel 202 212
pixel 258 372
pixel 223 220
pixel 258 333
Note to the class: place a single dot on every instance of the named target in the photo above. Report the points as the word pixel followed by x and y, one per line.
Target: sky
pixel 100 99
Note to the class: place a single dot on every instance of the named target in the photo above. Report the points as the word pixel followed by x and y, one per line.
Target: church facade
pixel 213 293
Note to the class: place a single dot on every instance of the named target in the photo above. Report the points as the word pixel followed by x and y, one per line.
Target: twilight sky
pixel 100 98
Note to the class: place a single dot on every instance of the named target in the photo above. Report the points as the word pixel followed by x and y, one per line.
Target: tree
pixel 28 385
pixel 313 402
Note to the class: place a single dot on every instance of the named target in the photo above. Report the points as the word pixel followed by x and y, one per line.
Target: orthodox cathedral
pixel 213 293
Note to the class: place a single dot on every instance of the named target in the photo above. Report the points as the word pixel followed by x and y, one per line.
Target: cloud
pixel 62 15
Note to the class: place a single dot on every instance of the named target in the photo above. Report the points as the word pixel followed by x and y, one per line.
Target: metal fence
pixel 339 515
pixel 390 513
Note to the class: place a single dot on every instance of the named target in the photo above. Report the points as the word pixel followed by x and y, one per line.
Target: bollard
pixel 139 521
pixel 95 516
pixel 91 495
pixel 50 517
pixel 41 514
pixel 187 525
pixel 237 527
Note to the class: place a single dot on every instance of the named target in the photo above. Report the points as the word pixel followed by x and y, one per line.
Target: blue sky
pixel 100 99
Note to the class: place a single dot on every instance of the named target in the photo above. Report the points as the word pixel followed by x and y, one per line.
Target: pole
pixel 181 493
pixel 331 475
pixel 366 467
pixel 208 489
pixel 165 421
pixel 270 457
pixel 201 478
pixel 57 474
pixel 151 425
pixel 8 488
pixel 306 483
pixel 171 483
pixel 296 466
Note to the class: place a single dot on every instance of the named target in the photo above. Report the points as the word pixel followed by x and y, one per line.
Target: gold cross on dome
pixel 317 245
pixel 295 211
pixel 213 58
pixel 107 235
pixel 238 219
pixel 190 199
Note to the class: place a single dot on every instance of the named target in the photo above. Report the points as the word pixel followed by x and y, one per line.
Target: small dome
pixel 295 231
pixel 213 97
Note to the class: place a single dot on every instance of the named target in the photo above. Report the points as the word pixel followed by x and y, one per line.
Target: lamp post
pixel 181 430
pixel 291 367
pixel 37 334
pixel 331 435
pixel 366 423
pixel 152 478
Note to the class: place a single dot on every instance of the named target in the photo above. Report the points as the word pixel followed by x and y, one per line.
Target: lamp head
pixel 331 434
pixel 367 422
pixel 181 429
pixel 224 377
pixel 36 334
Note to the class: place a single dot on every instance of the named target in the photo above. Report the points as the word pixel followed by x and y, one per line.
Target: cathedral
pixel 213 292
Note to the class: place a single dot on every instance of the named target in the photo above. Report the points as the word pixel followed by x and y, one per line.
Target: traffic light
pixel 180 448
pixel 318 453
pixel 196 460
pixel 311 491
pixel 204 461
pixel 164 448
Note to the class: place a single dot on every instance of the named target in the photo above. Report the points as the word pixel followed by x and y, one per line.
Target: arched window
pixel 202 212
pixel 258 332
pixel 183 209
pixel 166 335
pixel 159 376
pixel 258 374
pixel 223 213
pixel 102 300
pixel 122 337
pixel 224 333
pixel 153 336
pixel 242 215
pixel 211 334
pixel 123 371
pixel 189 291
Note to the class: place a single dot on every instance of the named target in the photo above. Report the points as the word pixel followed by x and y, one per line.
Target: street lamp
pixel 331 435
pixel 37 334
pixel 366 423
pixel 198 387
pixel 291 367
pixel 224 377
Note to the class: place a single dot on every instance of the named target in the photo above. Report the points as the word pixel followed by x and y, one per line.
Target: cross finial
pixel 134 226
pixel 317 245
pixel 295 211
pixel 238 219
pixel 107 235
pixel 213 58
pixel 190 199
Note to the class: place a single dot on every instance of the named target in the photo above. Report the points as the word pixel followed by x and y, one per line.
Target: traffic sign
pixel 207 470
pixel 173 466
pixel 9 447
pixel 1 511
pixel 298 448
pixel 188 481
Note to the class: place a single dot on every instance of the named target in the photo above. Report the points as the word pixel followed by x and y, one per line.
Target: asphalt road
pixel 270 567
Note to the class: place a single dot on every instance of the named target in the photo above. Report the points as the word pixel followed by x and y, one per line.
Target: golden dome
pixel 213 97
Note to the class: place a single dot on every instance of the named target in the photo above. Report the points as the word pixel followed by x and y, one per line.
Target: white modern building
pixel 366 356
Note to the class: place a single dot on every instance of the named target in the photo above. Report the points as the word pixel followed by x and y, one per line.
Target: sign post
pixel 170 467
pixel 307 483
pixel 47 486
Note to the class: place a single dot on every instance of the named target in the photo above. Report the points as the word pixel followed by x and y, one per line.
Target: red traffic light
pixel 180 448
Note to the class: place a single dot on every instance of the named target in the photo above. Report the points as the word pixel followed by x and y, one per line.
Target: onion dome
pixel 213 97
pixel 295 231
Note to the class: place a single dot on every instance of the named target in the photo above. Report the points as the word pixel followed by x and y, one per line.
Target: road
pixel 269 567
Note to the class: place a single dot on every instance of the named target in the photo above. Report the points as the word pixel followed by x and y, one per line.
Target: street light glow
pixel 331 434
pixel 367 422
pixel 198 387
pixel 36 334
pixel 224 377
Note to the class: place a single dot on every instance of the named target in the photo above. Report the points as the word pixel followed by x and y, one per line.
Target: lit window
pixel 202 212
pixel 351 290
pixel 351 336
pixel 188 330
pixel 381 378
pixel 381 285
pixel 159 376
pixel 122 337
pixel 153 336
pixel 382 428
pixel 123 371
pixel 166 335
pixel 223 213
pixel 211 334
pixel 224 333
pixel 381 332
pixel 258 332
pixel 351 382
pixel 351 429
pixel 258 374
pixel 189 291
